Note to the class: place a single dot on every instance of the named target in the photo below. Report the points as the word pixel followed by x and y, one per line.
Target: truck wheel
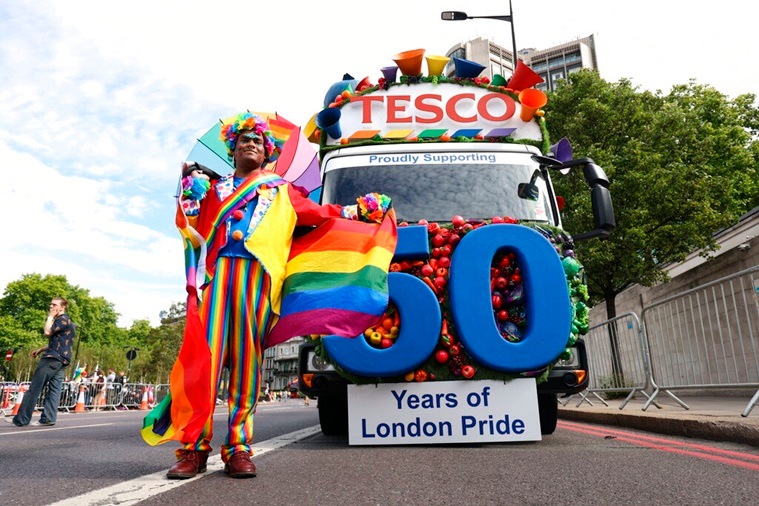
pixel 333 415
pixel 548 407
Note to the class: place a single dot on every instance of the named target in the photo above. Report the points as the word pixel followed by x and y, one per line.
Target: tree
pixel 164 342
pixel 27 301
pixel 682 166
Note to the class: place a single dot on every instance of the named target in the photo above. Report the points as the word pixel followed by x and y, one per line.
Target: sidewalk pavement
pixel 714 417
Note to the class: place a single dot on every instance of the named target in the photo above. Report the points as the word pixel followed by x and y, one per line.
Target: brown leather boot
pixel 189 463
pixel 240 466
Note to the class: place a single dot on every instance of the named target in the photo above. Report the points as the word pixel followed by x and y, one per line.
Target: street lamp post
pixel 460 16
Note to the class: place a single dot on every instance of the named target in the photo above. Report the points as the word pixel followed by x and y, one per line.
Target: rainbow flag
pixel 78 372
pixel 183 413
pixel 336 279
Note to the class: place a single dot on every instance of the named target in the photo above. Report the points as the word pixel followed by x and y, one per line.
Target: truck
pixel 487 299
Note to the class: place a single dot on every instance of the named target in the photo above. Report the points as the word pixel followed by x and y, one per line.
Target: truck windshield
pixel 437 186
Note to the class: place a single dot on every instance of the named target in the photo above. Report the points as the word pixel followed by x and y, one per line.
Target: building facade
pixel 738 250
pixel 552 64
pixel 280 367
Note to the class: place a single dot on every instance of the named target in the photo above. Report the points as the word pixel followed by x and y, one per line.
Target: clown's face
pixel 249 153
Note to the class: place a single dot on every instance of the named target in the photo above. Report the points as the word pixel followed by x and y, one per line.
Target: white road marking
pixel 144 487
pixel 27 429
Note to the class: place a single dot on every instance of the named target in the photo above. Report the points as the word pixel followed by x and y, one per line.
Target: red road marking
pixel 670 446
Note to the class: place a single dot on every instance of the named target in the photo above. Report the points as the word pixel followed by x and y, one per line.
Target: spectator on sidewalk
pixel 50 370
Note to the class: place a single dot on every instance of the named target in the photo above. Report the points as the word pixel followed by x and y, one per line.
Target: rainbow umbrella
pixel 297 163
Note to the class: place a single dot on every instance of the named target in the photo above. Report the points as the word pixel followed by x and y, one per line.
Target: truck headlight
pixel 573 362
pixel 317 363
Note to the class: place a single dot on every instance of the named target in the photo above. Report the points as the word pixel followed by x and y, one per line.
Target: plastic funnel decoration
pixel 410 62
pixel 467 68
pixel 328 120
pixel 531 100
pixel 562 150
pixel 364 84
pixel 389 73
pixel 498 80
pixel 337 88
pixel 436 64
pixel 523 78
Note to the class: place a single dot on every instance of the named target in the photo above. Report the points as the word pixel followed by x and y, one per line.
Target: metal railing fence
pixel 706 337
pixel 618 362
pixel 700 339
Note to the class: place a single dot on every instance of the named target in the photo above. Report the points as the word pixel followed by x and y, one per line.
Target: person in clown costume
pixel 239 230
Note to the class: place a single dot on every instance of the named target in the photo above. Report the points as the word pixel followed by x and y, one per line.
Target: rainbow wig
pixel 230 132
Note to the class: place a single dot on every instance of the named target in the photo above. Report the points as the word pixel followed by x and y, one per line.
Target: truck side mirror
pixel 529 191
pixel 600 197
pixel 603 214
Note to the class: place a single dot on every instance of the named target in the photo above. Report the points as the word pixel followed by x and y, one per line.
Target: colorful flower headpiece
pixel 230 132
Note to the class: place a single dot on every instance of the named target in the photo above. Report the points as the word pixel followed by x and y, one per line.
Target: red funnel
pixel 523 78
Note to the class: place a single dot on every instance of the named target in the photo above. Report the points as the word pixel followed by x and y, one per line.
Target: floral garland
pixel 450 359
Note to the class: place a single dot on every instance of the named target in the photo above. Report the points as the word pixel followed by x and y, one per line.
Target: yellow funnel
pixel 436 64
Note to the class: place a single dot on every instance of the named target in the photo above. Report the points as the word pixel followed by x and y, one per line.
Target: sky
pixel 100 102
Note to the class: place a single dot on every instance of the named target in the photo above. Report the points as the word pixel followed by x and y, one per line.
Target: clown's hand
pixel 195 184
pixel 195 170
pixel 373 207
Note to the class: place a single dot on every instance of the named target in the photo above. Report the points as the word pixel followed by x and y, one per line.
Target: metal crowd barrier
pixel 706 337
pixel 78 397
pixel 700 339
pixel 618 361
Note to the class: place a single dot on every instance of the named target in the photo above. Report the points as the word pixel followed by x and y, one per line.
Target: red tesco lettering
pixel 431 108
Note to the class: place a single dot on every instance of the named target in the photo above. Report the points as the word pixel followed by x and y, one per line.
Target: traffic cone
pixel 19 398
pixel 144 402
pixel 6 397
pixel 79 407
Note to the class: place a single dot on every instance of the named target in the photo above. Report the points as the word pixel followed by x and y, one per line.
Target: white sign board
pixel 436 412
pixel 425 106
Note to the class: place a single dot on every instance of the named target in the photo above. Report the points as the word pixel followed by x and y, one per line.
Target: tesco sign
pixel 432 108
pixel 440 106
